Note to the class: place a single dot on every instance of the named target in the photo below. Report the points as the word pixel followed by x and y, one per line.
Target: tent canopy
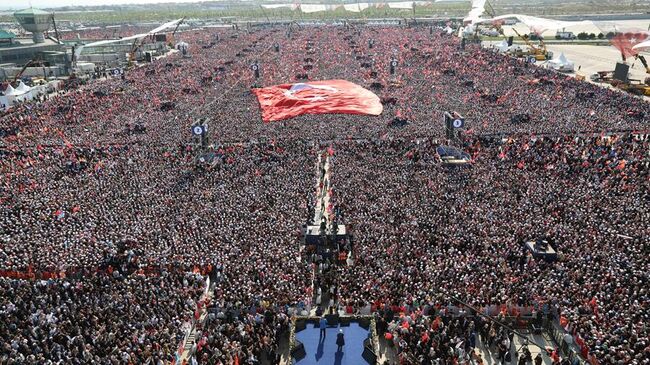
pixel 10 91
pixel 137 36
pixel 22 88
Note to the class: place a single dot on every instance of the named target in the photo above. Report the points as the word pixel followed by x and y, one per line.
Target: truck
pixel 565 35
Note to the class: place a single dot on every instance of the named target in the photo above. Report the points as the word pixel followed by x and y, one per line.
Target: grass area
pixel 249 11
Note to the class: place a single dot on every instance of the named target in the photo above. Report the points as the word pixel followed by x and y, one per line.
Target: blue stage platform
pixel 323 350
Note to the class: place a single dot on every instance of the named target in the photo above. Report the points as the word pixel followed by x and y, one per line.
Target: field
pixel 118 14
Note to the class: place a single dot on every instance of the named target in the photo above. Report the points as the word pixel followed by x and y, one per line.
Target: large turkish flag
pixel 317 97
pixel 625 41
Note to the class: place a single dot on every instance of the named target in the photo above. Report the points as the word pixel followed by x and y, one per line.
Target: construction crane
pixel 178 25
pixel 33 62
pixel 540 54
pixel 637 87
pixel 489 9
pixel 643 61
pixel 172 40
pixel 56 32
pixel 139 42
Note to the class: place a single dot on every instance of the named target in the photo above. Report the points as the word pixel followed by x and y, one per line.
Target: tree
pixel 582 36
pixel 601 36
pixel 592 36
pixel 610 35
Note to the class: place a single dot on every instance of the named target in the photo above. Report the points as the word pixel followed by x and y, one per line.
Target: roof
pixel 31 11
pixel 6 35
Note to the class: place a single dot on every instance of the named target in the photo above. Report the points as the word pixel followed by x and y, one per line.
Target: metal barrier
pixel 558 334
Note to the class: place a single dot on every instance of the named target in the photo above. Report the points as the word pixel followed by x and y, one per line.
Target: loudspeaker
pixel 368 354
pixel 345 321
pixel 621 71
pixel 298 351
pixel 510 39
pixel 364 323
pixel 301 325
pixel 332 319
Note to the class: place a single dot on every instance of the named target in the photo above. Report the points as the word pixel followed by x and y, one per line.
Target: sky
pixel 21 4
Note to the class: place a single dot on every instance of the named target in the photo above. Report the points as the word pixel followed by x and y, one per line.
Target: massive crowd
pixel 588 196
pixel 108 168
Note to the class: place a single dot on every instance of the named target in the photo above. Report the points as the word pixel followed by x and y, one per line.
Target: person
pixel 538 359
pixel 323 326
pixel 340 341
pixel 525 357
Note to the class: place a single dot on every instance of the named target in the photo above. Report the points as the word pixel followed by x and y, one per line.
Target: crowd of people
pixel 114 317
pixel 110 166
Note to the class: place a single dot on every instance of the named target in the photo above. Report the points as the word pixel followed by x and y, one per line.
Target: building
pixel 35 21
pixel 6 38
pixel 16 52
pixel 22 50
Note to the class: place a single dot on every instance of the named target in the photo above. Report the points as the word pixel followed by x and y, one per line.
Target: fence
pixel 559 336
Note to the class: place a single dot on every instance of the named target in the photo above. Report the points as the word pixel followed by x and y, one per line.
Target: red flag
pixel 318 97
pixel 625 41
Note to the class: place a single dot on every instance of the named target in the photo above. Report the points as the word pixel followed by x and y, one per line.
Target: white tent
pixel 356 8
pixel 22 88
pixel 468 30
pixel 561 64
pixel 10 91
pixel 312 8
pixel 401 5
pixel 502 46
pixel 276 6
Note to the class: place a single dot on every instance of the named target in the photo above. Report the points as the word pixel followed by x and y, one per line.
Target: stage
pixel 544 251
pixel 322 350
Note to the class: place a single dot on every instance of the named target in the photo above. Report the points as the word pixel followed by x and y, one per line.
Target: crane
pixel 35 61
pixel 540 54
pixel 138 42
pixel 644 62
pixel 178 25
pixel 172 41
